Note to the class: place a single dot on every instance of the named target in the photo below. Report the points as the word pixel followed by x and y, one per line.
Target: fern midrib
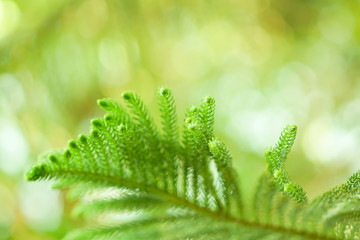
pixel 180 201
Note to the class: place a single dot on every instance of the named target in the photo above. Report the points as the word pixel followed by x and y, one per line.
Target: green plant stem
pixel 116 181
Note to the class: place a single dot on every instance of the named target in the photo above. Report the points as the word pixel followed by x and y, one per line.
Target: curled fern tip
pixel 67 154
pixel 73 145
pixel 97 123
pixel 53 159
pixel 104 103
pixel 208 99
pixel 128 95
pixel 164 92
pixel 83 139
pixel 36 173
pixel 95 134
pixel 122 128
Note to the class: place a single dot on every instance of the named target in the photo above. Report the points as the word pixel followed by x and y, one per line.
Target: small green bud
pixel 67 154
pixel 53 159
pixel 83 139
pixel 109 117
pixel 97 123
pixel 95 134
pixel 36 173
pixel 291 127
pixel 105 104
pixel 73 145
pixel 122 128
pixel 164 92
pixel 128 95
pixel 208 99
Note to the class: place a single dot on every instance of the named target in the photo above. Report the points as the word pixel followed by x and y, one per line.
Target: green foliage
pixel 276 157
pixel 161 187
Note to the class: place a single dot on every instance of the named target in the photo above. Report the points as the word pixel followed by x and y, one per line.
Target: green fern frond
pixel 207 113
pixel 226 176
pixel 276 157
pixel 186 188
pixel 169 118
pixel 170 138
pixel 129 203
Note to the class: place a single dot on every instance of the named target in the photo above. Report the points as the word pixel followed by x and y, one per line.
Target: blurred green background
pixel 268 63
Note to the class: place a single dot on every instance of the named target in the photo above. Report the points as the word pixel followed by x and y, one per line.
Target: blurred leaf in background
pixel 268 63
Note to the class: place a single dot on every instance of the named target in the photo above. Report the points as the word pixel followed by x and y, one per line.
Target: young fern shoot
pixel 184 187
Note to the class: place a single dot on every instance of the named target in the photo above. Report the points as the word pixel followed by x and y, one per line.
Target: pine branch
pixel 187 189
pixel 276 157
